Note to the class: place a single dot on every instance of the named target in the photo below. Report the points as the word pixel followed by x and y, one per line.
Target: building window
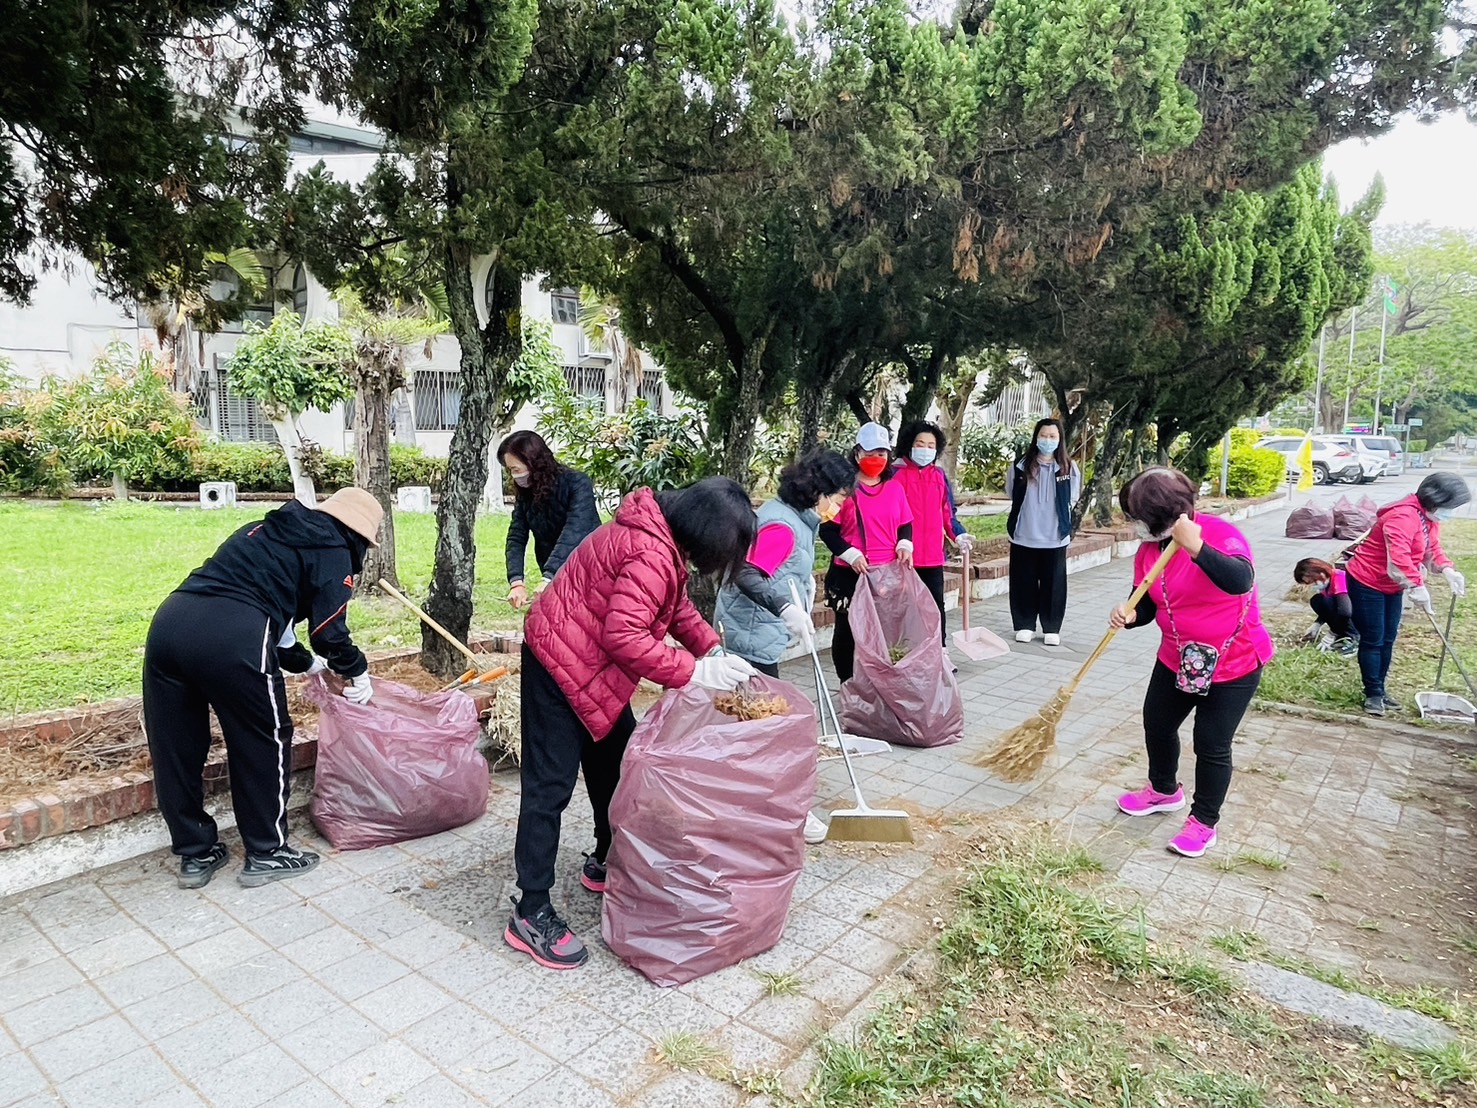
pixel 438 399
pixel 300 291
pixel 565 306
pixel 237 418
pixel 650 389
pixel 586 380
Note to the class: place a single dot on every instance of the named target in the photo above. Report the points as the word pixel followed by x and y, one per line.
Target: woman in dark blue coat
pixel 554 503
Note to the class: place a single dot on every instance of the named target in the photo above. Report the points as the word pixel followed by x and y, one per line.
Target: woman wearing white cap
pixel 221 640
pixel 874 527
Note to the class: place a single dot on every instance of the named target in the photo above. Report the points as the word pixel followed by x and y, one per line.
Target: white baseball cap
pixel 873 436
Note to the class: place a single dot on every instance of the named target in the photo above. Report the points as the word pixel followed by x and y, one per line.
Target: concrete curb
pixel 1427 733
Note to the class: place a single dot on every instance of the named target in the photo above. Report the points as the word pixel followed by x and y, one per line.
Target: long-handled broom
pixel 862 824
pixel 1019 753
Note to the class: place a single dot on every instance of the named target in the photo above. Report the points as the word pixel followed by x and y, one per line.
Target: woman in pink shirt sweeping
pixel 1210 658
pixel 874 527
pixel 1391 560
pixel 931 500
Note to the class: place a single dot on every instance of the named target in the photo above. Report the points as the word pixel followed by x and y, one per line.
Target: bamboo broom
pixel 1019 753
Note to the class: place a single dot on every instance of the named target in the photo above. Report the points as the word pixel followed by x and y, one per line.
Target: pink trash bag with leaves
pixel 902 689
pixel 403 766
pixel 708 829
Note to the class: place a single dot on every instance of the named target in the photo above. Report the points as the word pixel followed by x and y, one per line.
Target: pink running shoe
pixel 1194 840
pixel 1146 801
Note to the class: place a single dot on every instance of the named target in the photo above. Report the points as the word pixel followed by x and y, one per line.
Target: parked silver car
pixel 1371 461
pixel 1389 447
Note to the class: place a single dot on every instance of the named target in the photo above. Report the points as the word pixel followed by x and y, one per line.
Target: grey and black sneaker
pixel 1392 705
pixel 285 861
pixel 592 874
pixel 1346 646
pixel 196 871
pixel 545 938
pixel 1374 705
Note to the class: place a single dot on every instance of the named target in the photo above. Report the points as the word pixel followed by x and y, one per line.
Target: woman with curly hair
pixel 554 502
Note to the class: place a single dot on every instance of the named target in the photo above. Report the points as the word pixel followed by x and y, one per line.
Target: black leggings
pixel 933 578
pixel 769 669
pixel 1038 587
pixel 1335 611
pixel 1217 715
pixel 555 746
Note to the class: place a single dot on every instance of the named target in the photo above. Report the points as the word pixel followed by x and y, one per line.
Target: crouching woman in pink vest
pixel 593 633
pixel 1210 657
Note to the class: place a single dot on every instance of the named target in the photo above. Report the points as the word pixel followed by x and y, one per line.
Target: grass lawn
pixel 1299 674
pixel 79 583
pixel 1046 993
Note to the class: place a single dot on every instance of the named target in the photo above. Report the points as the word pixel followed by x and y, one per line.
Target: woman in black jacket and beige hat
pixel 221 640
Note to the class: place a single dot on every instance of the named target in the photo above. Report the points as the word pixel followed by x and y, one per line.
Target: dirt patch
pixel 30 765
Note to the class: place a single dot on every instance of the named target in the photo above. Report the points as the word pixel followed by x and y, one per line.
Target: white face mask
pixel 1143 534
pixel 923 455
pixel 1441 515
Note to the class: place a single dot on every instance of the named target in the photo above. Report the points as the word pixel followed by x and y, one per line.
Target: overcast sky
pixel 1430 171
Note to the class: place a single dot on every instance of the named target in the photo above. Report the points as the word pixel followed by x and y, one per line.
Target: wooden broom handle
pixel 1134 597
pixel 431 623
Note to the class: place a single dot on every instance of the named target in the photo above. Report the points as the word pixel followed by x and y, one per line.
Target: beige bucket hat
pixel 357 510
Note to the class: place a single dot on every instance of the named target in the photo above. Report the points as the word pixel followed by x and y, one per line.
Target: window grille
pixel 438 399
pixel 650 389
pixel 586 380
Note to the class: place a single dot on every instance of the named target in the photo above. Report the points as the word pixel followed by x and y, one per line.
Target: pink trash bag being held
pixel 709 825
pixel 903 688
pixel 403 766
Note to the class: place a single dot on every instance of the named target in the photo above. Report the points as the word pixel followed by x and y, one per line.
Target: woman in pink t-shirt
pixel 1205 601
pixel 1330 605
pixel 874 527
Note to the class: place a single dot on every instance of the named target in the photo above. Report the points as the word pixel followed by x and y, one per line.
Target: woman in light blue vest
pixel 755 610
pixel 759 619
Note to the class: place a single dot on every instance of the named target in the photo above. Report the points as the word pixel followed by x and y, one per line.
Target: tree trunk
pixel 812 411
pixel 953 399
pixel 120 486
pixel 486 355
pixel 1105 468
pixel 922 386
pixel 372 469
pixel 738 449
pixel 292 444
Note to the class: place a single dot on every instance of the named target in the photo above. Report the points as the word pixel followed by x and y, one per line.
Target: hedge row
pixel 257 467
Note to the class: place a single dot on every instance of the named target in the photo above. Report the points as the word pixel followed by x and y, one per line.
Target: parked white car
pixel 1389 446
pixel 1331 461
pixel 1371 461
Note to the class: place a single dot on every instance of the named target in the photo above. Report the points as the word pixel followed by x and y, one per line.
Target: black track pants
pixel 1038 587
pixel 205 652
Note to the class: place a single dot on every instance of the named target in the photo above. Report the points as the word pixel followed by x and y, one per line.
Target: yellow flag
pixel 1305 463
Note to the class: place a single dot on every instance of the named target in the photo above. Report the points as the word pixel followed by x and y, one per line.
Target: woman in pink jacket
pixel 873 528
pixel 1392 558
pixel 1210 656
pixel 931 500
pixel 598 628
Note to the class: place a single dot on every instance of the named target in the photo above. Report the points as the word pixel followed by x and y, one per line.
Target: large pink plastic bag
pixel 709 833
pixel 1309 522
pixel 400 767
pixel 915 702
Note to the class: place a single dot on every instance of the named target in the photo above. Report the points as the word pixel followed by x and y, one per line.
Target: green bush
pixel 986 452
pixel 1252 472
pixel 1416 446
pixel 261 467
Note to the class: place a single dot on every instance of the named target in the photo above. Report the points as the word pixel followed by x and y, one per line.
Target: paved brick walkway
pixel 381 978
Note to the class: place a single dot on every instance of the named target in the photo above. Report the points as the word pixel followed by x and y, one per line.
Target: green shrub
pixel 1416 446
pixel 27 462
pixel 261 467
pixel 1252 472
pixel 986 452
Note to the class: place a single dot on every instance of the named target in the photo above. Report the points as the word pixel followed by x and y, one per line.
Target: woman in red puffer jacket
pixel 599 627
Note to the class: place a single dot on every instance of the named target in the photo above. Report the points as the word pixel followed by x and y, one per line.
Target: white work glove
pixel 1420 596
pixel 288 639
pixel 721 672
pixel 798 623
pixel 1455 579
pixel 905 553
pixel 318 666
pixel 359 689
pixel 964 541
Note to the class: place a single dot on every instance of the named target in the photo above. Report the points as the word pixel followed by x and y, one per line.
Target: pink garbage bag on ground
pixel 402 766
pixel 916 701
pixel 1309 522
pixel 1350 522
pixel 709 823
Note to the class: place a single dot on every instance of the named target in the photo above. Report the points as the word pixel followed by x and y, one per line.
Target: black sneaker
pixel 285 861
pixel 1347 647
pixel 545 938
pixel 592 874
pixel 1392 705
pixel 1374 705
pixel 196 872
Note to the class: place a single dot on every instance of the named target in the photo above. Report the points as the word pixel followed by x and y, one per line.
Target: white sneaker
pixel 1024 636
pixel 1051 639
pixel 815 830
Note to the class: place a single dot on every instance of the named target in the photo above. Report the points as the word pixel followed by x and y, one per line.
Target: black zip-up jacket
pixel 296 564
pixel 559 523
